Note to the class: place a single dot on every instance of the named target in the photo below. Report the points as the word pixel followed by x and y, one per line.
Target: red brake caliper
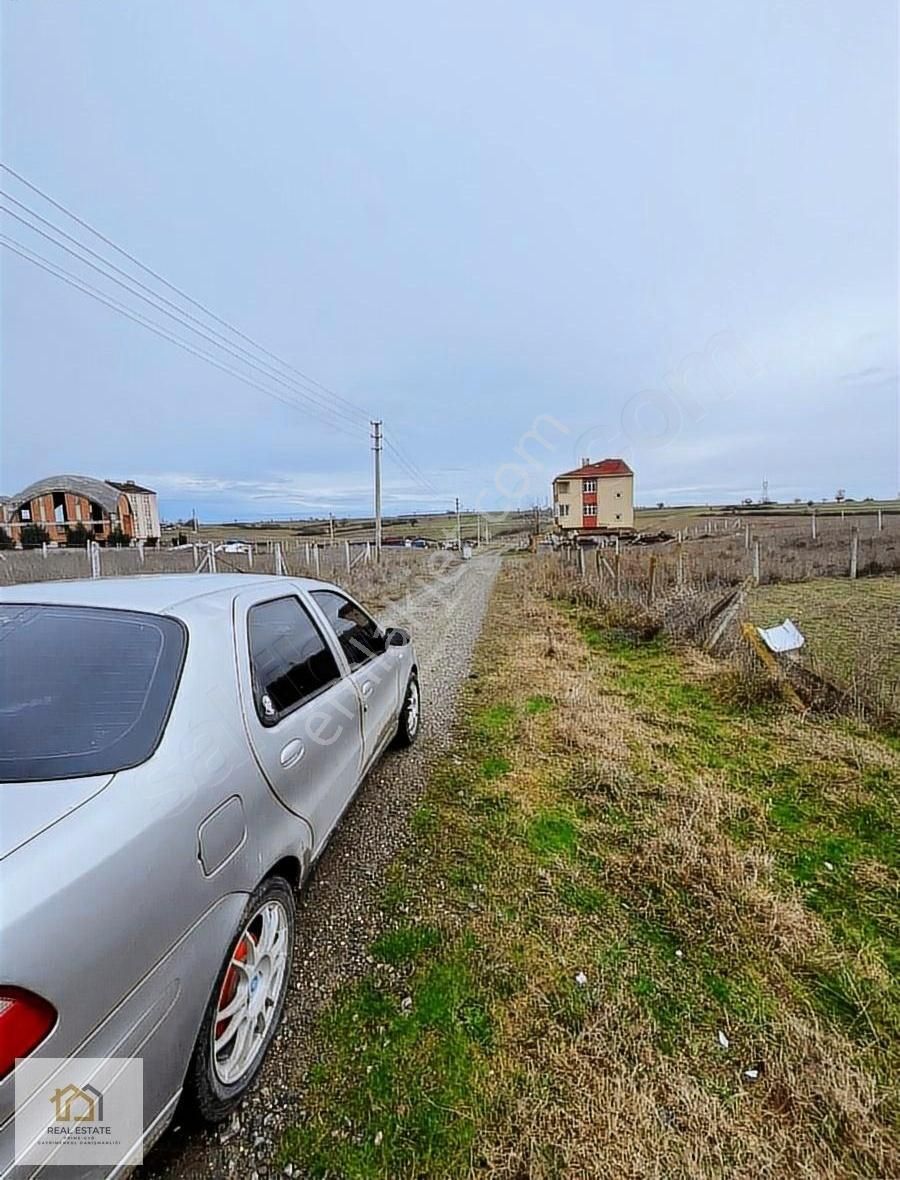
pixel 230 983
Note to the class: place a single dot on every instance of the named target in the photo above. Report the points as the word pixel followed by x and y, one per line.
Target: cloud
pixel 291 492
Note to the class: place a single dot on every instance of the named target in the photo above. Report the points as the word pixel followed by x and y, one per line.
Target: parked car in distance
pixel 175 751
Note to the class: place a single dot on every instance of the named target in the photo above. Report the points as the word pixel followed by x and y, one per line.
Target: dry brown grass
pixel 400 572
pixel 611 1101
pixel 606 814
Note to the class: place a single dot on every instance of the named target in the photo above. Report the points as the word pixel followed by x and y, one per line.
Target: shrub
pixel 6 541
pixel 118 539
pixel 77 536
pixel 33 536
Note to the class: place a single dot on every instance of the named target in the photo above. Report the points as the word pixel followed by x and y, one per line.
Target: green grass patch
pixel 538 704
pixel 552 834
pixel 495 766
pixel 402 1072
pixel 494 722
pixel 404 944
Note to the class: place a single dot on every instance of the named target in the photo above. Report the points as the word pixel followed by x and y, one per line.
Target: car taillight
pixel 25 1019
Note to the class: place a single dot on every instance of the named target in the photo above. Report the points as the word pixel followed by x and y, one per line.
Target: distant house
pixel 62 503
pixel 595 497
pixel 144 509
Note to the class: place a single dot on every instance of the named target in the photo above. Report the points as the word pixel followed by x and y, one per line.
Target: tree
pixel 660 504
pixel 840 495
pixel 33 536
pixel 77 536
pixel 118 539
pixel 6 541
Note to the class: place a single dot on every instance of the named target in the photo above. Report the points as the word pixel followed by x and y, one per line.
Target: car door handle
pixel 366 688
pixel 292 752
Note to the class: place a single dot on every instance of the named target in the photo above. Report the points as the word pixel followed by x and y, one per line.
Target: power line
pixel 155 300
pixel 94 293
pixel 342 408
pixel 178 291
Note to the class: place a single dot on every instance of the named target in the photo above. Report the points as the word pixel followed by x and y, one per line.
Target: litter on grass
pixel 785 637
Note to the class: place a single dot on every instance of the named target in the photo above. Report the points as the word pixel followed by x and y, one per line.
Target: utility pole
pixel 376 447
pixel 458 528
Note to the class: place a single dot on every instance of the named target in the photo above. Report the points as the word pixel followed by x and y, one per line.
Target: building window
pixel 589 485
pixel 562 485
pixel 564 510
pixel 590 509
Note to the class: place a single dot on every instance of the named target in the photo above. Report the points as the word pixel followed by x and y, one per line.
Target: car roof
pixel 157 593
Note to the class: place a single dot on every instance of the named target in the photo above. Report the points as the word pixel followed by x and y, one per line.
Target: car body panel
pixel 122 893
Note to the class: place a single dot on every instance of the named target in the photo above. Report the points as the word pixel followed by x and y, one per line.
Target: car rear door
pixel 301 708
pixel 374 667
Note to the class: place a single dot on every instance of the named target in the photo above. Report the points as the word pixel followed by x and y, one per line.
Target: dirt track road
pixel 338 912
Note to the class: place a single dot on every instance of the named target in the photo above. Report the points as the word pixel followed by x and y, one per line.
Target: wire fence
pixel 352 566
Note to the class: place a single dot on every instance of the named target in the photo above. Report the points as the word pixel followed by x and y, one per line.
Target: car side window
pixel 360 637
pixel 290 662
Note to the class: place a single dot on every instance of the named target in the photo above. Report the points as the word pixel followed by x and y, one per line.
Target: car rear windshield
pixel 83 690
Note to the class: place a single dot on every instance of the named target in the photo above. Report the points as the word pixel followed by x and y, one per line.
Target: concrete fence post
pixel 94 550
pixel 316 558
pixel 279 560
pixel 44 549
pixel 880 520
pixel 651 580
pixel 140 549
pixel 854 551
pixel 746 536
pixel 581 561
pixel 756 563
pixel 211 569
pixel 347 555
pixel 813 522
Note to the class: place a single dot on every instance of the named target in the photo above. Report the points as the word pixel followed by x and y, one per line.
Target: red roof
pixel 595 470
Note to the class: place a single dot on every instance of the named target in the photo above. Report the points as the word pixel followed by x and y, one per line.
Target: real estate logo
pixel 75 1104
pixel 80 1110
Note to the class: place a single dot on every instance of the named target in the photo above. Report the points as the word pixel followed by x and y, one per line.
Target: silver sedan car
pixel 174 754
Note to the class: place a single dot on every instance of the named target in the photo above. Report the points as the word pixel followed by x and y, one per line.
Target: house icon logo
pixel 78 1104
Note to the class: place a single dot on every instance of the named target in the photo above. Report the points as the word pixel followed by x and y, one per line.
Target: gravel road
pixel 338 912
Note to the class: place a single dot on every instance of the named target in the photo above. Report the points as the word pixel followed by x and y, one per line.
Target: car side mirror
pixel 396 637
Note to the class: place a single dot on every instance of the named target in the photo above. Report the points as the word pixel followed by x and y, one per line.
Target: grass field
pixel 852 629
pixel 673 519
pixel 432 526
pixel 639 933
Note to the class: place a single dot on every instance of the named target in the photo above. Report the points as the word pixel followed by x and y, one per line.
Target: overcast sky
pixel 671 228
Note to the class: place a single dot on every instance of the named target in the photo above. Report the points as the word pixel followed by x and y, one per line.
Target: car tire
pixel 228 1056
pixel 410 715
